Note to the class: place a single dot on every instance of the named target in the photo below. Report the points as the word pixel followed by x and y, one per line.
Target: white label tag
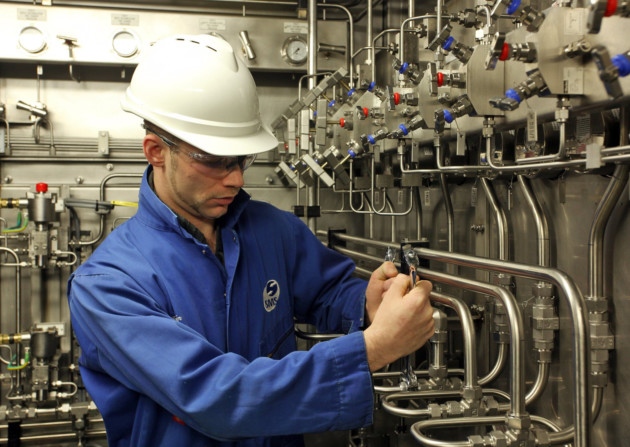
pixel 532 126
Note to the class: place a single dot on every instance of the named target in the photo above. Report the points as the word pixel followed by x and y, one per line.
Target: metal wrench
pixel 408 379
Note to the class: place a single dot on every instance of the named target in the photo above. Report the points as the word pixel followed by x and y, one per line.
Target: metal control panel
pixel 44 34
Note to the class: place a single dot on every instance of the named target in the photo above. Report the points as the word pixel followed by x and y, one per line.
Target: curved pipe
pixel 401 39
pixel 502 355
pixel 539 385
pixel 416 429
pixel 388 400
pixel 517 331
pixel 605 208
pixel 499 365
pixel 372 192
pixel 596 237
pixel 468 331
pixel 517 336
pixel 101 229
pixel 500 218
pixel 349 63
pixel 542 228
pixel 18 301
pixel 561 154
pixel 542 232
pixel 578 311
pixel 450 222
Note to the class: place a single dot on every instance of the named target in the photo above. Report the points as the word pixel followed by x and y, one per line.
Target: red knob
pixel 505 52
pixel 342 122
pixel 611 7
pixel 396 98
pixel 41 187
pixel 440 79
pixel 366 112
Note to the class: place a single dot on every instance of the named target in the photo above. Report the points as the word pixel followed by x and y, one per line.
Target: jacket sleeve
pixel 326 292
pixel 222 395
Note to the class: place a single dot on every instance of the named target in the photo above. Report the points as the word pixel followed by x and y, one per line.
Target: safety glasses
pixel 216 165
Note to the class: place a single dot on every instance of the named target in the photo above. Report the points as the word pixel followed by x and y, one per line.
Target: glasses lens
pixel 245 161
pixel 223 165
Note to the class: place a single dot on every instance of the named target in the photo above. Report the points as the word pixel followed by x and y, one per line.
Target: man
pixel 185 313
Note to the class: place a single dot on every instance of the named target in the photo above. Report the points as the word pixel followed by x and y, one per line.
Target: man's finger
pixel 386 270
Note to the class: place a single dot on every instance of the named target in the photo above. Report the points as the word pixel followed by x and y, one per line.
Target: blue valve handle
pixel 513 6
pixel 513 94
pixel 448 43
pixel 622 63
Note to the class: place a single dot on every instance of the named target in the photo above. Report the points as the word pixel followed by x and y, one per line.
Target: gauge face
pixel 125 44
pixel 32 39
pixel 295 50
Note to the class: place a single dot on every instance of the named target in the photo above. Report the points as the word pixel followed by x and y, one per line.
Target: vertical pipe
pixel 416 192
pixel 598 316
pixel 542 229
pixel 500 218
pixel 450 223
pixel 439 19
pixel 18 304
pixel 369 33
pixel 542 236
pixel 596 238
pixel 312 71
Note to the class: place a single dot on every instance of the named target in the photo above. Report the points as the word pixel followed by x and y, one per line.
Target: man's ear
pixel 154 149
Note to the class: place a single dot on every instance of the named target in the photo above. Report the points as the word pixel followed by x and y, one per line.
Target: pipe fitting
pixel 498 438
pixel 454 409
pixel 518 422
pixel 491 406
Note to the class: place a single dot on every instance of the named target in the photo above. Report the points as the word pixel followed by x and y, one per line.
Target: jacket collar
pixel 155 213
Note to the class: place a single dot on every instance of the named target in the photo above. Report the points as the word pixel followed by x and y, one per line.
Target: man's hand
pixel 380 281
pixel 402 324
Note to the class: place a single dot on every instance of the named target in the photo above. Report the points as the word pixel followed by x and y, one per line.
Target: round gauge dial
pixel 32 39
pixel 295 50
pixel 125 43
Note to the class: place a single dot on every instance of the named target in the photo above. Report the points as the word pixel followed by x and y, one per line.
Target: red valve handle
pixel 440 79
pixel 611 7
pixel 505 52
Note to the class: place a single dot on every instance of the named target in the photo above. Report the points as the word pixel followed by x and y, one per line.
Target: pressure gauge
pixel 125 43
pixel 32 39
pixel 295 50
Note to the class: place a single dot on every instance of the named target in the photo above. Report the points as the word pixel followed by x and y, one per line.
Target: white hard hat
pixel 195 88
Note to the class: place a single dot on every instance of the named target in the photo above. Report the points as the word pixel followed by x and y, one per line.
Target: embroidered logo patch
pixel 271 295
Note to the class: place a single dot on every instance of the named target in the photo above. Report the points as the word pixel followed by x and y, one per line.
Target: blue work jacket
pixel 181 349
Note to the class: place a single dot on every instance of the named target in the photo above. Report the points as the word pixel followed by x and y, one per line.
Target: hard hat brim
pixel 261 140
